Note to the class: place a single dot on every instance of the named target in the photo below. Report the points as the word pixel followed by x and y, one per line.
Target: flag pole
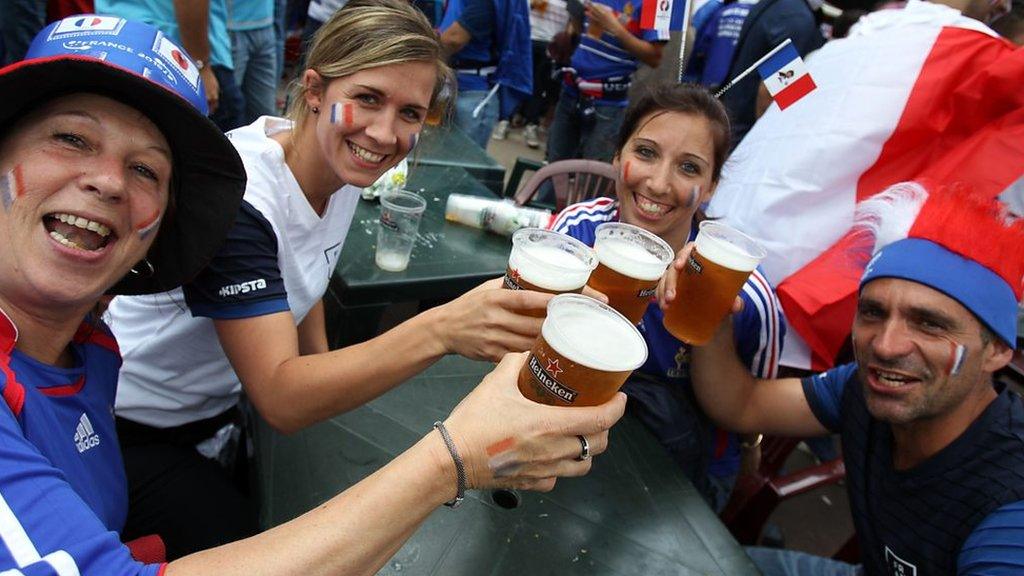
pixel 753 67
pixel 682 42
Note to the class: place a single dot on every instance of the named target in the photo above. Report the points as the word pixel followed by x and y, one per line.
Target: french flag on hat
pixel 785 76
pixel 662 15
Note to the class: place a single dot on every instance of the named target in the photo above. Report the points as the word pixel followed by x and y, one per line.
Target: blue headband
pixel 977 288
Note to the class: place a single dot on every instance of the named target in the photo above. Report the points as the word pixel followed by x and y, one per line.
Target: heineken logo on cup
pixel 647 292
pixel 695 266
pixel 545 376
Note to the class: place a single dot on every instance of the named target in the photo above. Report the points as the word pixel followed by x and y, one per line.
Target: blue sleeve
pixel 478 17
pixel 824 393
pixel 45 527
pixel 760 328
pixel 996 546
pixel 243 280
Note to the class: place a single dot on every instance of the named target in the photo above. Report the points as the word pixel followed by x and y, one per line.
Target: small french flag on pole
pixel 785 76
pixel 662 15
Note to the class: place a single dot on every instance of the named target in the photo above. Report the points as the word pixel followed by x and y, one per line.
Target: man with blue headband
pixel 934 450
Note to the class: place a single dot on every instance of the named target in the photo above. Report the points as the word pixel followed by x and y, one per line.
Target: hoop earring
pixel 316 109
pixel 148 273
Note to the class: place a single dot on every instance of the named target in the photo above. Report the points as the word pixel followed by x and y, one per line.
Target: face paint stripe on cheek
pixel 957 354
pixel 12 187
pixel 347 115
pixel 625 170
pixel 147 226
pixel 413 139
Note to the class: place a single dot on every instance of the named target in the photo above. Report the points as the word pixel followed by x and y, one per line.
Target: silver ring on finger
pixel 584 449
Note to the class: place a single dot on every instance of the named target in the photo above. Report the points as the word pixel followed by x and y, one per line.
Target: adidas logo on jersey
pixel 85 436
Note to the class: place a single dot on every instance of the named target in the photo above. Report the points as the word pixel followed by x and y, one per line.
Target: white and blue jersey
pixel 278 256
pixel 63 493
pixel 758 329
pixel 961 511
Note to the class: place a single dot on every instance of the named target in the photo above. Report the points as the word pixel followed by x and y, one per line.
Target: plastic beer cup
pixel 400 213
pixel 547 261
pixel 584 353
pixel 631 262
pixel 720 263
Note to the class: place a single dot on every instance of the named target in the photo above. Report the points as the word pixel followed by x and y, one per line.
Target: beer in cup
pixel 547 261
pixel 720 263
pixel 584 353
pixel 631 261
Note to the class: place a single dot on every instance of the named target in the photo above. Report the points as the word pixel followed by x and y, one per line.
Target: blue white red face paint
pixel 957 354
pixel 413 139
pixel 12 187
pixel 343 113
pixel 625 170
pixel 694 197
pixel 148 225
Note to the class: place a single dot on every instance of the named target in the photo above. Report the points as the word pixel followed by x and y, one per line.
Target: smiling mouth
pixel 77 232
pixel 891 379
pixel 366 155
pixel 650 208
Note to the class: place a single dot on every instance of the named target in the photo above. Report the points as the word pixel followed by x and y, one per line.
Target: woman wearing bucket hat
pixel 113 181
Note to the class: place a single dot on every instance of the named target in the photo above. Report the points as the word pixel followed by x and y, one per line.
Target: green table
pixel 634 514
pixel 449 146
pixel 447 260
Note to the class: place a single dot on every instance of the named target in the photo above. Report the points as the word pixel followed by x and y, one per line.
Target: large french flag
pixel 785 76
pixel 662 15
pixel 921 92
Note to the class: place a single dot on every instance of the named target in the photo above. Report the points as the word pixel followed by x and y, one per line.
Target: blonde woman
pixel 254 319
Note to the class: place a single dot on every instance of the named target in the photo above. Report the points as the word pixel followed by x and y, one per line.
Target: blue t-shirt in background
pixel 160 14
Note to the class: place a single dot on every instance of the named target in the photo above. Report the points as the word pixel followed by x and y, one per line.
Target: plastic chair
pixel 573 181
pixel 755 496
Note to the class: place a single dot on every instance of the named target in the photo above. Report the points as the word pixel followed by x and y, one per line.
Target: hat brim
pixel 208 175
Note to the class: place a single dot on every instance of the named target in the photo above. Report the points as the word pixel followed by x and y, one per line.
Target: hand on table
pixel 511 442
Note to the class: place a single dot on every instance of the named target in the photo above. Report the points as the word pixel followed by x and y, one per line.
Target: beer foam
pixel 549 267
pixel 593 334
pixel 631 259
pixel 728 248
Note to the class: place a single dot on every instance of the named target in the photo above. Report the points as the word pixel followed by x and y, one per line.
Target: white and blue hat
pixel 139 66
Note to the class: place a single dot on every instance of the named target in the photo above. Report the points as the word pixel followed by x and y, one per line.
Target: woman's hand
pixel 488 321
pixel 668 282
pixel 508 441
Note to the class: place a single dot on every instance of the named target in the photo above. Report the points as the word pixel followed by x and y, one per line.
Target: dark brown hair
pixel 684 98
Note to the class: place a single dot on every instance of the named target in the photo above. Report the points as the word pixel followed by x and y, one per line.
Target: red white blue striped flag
pixel 786 77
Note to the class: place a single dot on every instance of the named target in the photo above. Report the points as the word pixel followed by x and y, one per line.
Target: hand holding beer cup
pixel 488 322
pixel 585 352
pixel 702 285
pixel 508 441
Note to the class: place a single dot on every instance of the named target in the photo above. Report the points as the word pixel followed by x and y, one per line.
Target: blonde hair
pixel 368 34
